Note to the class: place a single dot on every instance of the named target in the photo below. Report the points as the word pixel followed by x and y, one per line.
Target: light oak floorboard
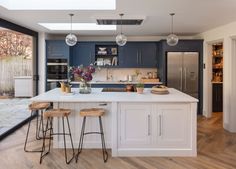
pixel 216 150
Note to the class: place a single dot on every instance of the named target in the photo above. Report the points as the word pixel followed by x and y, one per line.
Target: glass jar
pixel 85 88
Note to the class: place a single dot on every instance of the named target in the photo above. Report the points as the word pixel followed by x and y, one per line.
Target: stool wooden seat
pixel 92 112
pixel 57 113
pixel 39 106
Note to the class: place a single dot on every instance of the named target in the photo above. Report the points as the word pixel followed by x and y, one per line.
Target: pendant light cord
pixel 71 22
pixel 172 21
pixel 121 15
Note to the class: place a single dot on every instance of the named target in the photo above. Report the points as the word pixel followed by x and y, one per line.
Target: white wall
pixel 41 62
pixel 225 34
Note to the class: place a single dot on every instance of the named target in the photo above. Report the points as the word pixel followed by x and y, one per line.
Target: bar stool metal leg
pixel 44 138
pixel 27 135
pixel 64 137
pixel 104 151
pixel 50 128
pixel 80 147
pixel 39 125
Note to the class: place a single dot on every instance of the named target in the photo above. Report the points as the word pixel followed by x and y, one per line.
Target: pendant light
pixel 121 39
pixel 71 39
pixel 172 39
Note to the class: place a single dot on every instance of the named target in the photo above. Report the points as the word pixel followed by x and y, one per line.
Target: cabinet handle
pixel 137 57
pixel 149 123
pixel 140 58
pixel 181 78
pixel 185 79
pixel 90 57
pixel 103 104
pixel 160 125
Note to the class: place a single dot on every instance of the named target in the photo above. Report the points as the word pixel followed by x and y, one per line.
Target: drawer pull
pixel 160 125
pixel 103 104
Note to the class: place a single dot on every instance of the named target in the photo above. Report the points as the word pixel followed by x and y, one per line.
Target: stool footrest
pixel 92 133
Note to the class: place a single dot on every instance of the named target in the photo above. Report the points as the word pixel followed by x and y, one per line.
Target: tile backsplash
pixel 117 74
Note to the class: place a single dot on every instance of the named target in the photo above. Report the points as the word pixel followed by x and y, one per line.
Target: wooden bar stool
pixel 34 108
pixel 50 114
pixel 93 112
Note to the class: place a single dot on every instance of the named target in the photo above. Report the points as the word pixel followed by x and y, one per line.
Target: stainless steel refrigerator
pixel 182 72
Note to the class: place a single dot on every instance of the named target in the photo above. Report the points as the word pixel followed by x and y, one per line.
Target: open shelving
pixel 106 55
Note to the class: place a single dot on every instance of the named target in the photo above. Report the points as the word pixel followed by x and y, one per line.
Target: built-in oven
pixel 57 71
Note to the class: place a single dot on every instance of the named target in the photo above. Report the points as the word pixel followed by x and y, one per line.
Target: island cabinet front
pixel 156 129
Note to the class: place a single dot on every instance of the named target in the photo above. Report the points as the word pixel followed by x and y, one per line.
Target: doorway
pixel 213 78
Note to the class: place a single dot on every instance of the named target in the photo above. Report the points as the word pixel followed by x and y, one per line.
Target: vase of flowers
pixel 84 76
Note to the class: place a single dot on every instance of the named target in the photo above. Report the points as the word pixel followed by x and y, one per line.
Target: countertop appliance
pixel 183 72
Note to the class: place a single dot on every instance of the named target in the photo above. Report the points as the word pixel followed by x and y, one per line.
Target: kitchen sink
pixel 114 90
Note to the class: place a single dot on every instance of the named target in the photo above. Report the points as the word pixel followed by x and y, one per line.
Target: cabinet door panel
pixel 57 49
pixel 83 53
pixel 135 126
pixel 173 126
pixel 128 55
pixel 148 55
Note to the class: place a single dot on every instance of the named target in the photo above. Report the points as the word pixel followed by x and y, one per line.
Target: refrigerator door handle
pixel 181 78
pixel 185 78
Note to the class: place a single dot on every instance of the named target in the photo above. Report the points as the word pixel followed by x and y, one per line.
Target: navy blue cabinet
pixel 138 54
pixel 57 49
pixel 83 53
pixel 129 55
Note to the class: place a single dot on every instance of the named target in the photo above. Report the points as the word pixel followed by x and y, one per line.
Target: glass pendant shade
pixel 71 39
pixel 172 40
pixel 121 39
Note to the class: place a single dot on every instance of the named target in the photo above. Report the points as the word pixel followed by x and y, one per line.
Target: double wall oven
pixel 57 71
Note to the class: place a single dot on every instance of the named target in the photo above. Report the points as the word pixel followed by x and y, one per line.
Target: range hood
pixel 118 21
pixel 128 20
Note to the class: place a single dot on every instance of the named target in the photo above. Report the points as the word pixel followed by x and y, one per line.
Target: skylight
pixel 59 4
pixel 77 26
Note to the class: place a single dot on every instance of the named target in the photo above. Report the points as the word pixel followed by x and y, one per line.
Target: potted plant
pixel 139 88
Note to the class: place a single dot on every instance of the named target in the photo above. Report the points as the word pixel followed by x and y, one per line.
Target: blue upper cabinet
pixel 148 55
pixel 57 49
pixel 128 55
pixel 138 54
pixel 83 53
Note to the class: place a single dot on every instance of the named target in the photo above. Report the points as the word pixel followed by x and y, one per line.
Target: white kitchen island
pixel 134 124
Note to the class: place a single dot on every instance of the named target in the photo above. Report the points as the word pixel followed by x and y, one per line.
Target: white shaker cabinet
pixel 173 124
pixel 155 129
pixel 134 126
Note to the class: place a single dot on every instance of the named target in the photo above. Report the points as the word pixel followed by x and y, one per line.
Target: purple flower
pixel 84 73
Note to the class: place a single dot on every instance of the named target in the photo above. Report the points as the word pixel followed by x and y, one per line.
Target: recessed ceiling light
pixel 77 26
pixel 59 4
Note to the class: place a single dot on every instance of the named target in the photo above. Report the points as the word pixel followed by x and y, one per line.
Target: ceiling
pixel 192 16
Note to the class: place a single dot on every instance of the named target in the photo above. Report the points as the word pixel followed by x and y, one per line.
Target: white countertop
pixel 56 95
pixel 117 82
pixel 23 77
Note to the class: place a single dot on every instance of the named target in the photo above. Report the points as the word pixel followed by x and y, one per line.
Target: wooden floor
pixel 216 150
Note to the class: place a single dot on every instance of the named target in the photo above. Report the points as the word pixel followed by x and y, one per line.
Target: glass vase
pixel 85 88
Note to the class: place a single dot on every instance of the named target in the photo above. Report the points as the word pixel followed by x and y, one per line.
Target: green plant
pixel 140 85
